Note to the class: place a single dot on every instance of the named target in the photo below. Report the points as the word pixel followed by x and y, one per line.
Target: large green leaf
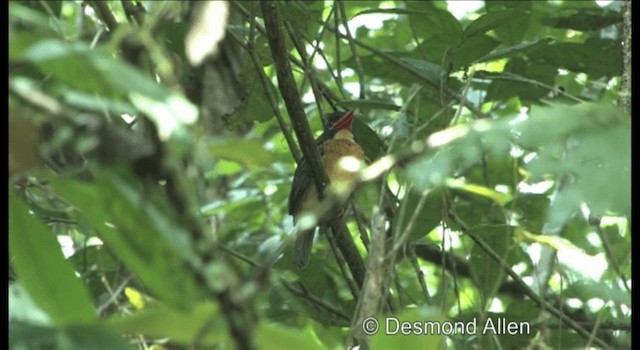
pixel 49 278
pixel 472 49
pixel 250 153
pixel 201 325
pixel 103 75
pixel 274 336
pixel 138 233
pixel 512 31
pixel 28 336
pixel 584 57
pixel 429 21
pixel 583 19
pixel 426 220
pixel 583 142
pixel 489 21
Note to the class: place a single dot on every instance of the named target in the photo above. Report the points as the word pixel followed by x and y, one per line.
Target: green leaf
pixel 37 19
pixel 430 22
pixel 38 260
pixel 583 19
pixel 305 15
pixel 433 71
pixel 274 336
pixel 600 141
pixel 22 308
pixel 254 106
pixel 110 77
pixel 489 21
pixel 381 68
pixel 96 103
pixel 138 233
pixel 428 218
pixel 532 208
pixel 472 49
pixel 200 325
pixel 66 62
pixel 586 290
pixel 249 153
pixel 479 190
pixel 28 336
pixel 584 57
pixel 372 145
pixel 513 31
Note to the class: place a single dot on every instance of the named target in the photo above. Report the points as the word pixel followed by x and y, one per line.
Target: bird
pixel 337 148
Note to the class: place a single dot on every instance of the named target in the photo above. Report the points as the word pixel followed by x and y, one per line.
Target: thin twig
pixel 420 275
pixel 402 238
pixel 334 77
pixel 340 260
pixel 113 294
pixel 336 19
pixel 357 214
pixel 352 46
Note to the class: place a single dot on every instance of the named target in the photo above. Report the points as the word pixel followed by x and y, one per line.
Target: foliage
pixel 148 196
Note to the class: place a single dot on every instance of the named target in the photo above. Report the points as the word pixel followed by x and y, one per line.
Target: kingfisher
pixel 339 153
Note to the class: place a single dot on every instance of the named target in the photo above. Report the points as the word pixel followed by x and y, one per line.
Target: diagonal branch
pixel 290 94
pixel 293 102
pixel 104 12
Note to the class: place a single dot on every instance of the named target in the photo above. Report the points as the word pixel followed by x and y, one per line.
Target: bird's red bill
pixel 344 122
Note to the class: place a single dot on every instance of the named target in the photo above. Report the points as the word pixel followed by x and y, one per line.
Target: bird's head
pixel 340 120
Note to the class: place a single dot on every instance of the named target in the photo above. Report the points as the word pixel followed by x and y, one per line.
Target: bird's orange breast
pixel 343 159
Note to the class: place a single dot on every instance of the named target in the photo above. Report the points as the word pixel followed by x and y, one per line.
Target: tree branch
pixel 375 287
pixel 624 100
pixel 104 12
pixel 293 102
pixel 290 94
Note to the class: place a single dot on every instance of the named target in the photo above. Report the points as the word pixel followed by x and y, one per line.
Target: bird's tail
pixel 302 248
